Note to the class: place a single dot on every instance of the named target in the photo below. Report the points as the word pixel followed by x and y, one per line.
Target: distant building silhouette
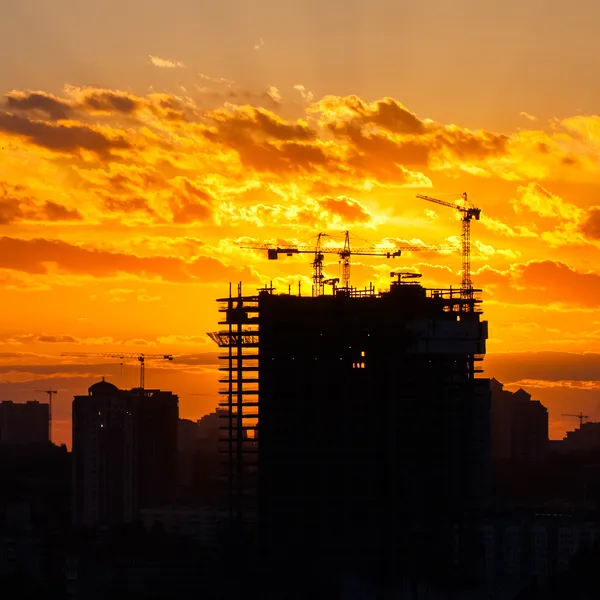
pixel 35 486
pixel 199 523
pixel 522 545
pixel 23 424
pixel 202 462
pixel 584 440
pixel 124 453
pixel 187 447
pixel 519 425
pixel 373 430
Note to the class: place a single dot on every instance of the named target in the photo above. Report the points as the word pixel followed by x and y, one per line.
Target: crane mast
pixel 345 258
pixel 142 358
pixel 50 393
pixel 318 286
pixel 468 212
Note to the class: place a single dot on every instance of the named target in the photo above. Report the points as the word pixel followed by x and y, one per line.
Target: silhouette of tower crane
pixel 580 416
pixel 142 358
pixel 50 393
pixel 318 252
pixel 469 212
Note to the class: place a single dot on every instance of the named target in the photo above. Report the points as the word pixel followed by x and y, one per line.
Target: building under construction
pixel 357 429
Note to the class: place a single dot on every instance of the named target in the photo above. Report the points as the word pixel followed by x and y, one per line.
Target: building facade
pixel 519 425
pixel 124 453
pixel 520 547
pixel 373 430
pixel 24 424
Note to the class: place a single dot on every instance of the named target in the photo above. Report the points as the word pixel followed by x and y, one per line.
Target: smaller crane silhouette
pixel 50 393
pixel 580 416
pixel 344 253
pixel 142 358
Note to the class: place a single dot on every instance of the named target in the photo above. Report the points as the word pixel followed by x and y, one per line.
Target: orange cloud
pixel 123 200
pixel 42 257
pixel 543 282
pixel 536 199
pixel 314 213
pixel 166 63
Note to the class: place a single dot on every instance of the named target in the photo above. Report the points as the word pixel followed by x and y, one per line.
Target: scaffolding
pixel 239 337
pixel 239 405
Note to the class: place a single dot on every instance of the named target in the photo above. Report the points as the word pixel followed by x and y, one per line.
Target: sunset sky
pixel 142 142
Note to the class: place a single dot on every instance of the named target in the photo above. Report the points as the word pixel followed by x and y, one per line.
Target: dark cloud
pixel 35 256
pixel 382 155
pixel 468 146
pixel 387 113
pixel 541 282
pixel 171 108
pixel 108 101
pixel 275 156
pixel 391 115
pixel 254 134
pixel 591 226
pixel 10 211
pixel 129 205
pixel 53 370
pixel 351 211
pixel 548 366
pixel 199 358
pixel 61 138
pixel 258 121
pixel 13 210
pixel 384 137
pixel 51 211
pixel 39 101
pixel 570 161
pixel 378 155
pixel 190 203
pixel 57 339
pixel 303 155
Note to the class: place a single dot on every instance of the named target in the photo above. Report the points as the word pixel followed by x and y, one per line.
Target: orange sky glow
pixel 123 206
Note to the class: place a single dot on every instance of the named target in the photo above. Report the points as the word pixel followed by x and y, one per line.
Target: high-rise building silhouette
pixel 519 425
pixel 23 424
pixel 373 430
pixel 124 453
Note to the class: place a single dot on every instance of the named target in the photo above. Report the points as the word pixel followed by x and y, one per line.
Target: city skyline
pixel 143 150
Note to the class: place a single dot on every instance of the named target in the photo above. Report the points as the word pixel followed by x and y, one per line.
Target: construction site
pixel 356 427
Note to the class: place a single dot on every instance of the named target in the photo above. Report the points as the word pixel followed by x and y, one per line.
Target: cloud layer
pixel 123 216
